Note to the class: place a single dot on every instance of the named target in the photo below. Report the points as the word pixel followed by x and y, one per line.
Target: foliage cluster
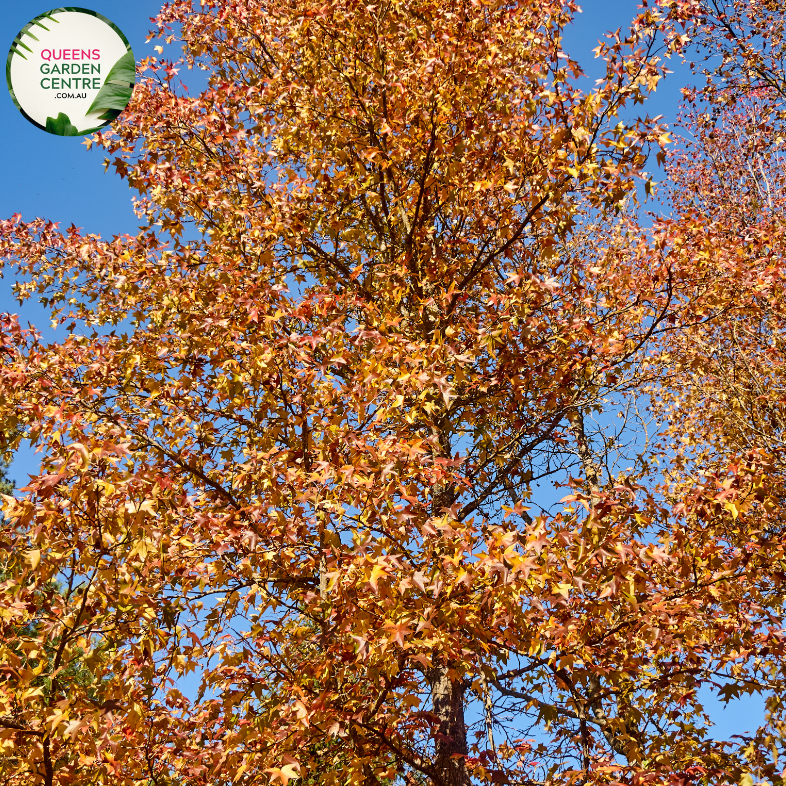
pixel 399 432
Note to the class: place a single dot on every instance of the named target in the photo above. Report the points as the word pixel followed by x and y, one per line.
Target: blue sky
pixel 57 178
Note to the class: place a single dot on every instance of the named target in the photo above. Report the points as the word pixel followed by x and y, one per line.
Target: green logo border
pixel 18 44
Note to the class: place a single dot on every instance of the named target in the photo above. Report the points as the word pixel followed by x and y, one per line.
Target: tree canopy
pixel 400 445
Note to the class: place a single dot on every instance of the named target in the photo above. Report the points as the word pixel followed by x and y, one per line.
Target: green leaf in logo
pixel 115 93
pixel 61 126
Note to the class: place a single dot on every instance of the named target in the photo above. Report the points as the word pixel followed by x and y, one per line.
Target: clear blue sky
pixel 56 178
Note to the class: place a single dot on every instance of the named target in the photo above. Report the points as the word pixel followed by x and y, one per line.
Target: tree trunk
pixel 447 697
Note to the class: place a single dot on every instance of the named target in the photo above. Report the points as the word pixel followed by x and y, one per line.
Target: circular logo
pixel 70 71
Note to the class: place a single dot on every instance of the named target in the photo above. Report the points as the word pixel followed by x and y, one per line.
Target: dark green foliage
pixel 6 484
pixel 114 95
pixel 61 126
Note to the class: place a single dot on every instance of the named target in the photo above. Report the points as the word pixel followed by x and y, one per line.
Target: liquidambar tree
pixel 721 396
pixel 291 445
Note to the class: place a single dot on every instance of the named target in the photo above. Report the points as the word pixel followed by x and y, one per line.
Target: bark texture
pixel 447 696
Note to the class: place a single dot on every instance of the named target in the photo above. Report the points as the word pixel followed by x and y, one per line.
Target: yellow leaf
pixel 73 727
pixel 33 558
pixel 283 774
pixel 140 548
pixel 376 572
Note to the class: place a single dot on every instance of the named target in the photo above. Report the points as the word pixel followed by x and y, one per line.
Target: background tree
pixel 722 391
pixel 6 485
pixel 388 282
pixel 738 45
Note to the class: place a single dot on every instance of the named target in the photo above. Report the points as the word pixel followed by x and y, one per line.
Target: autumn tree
pixel 728 196
pixel 727 192
pixel 737 45
pixel 721 392
pixel 302 440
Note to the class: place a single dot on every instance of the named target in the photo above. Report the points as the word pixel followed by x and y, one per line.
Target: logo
pixel 70 71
